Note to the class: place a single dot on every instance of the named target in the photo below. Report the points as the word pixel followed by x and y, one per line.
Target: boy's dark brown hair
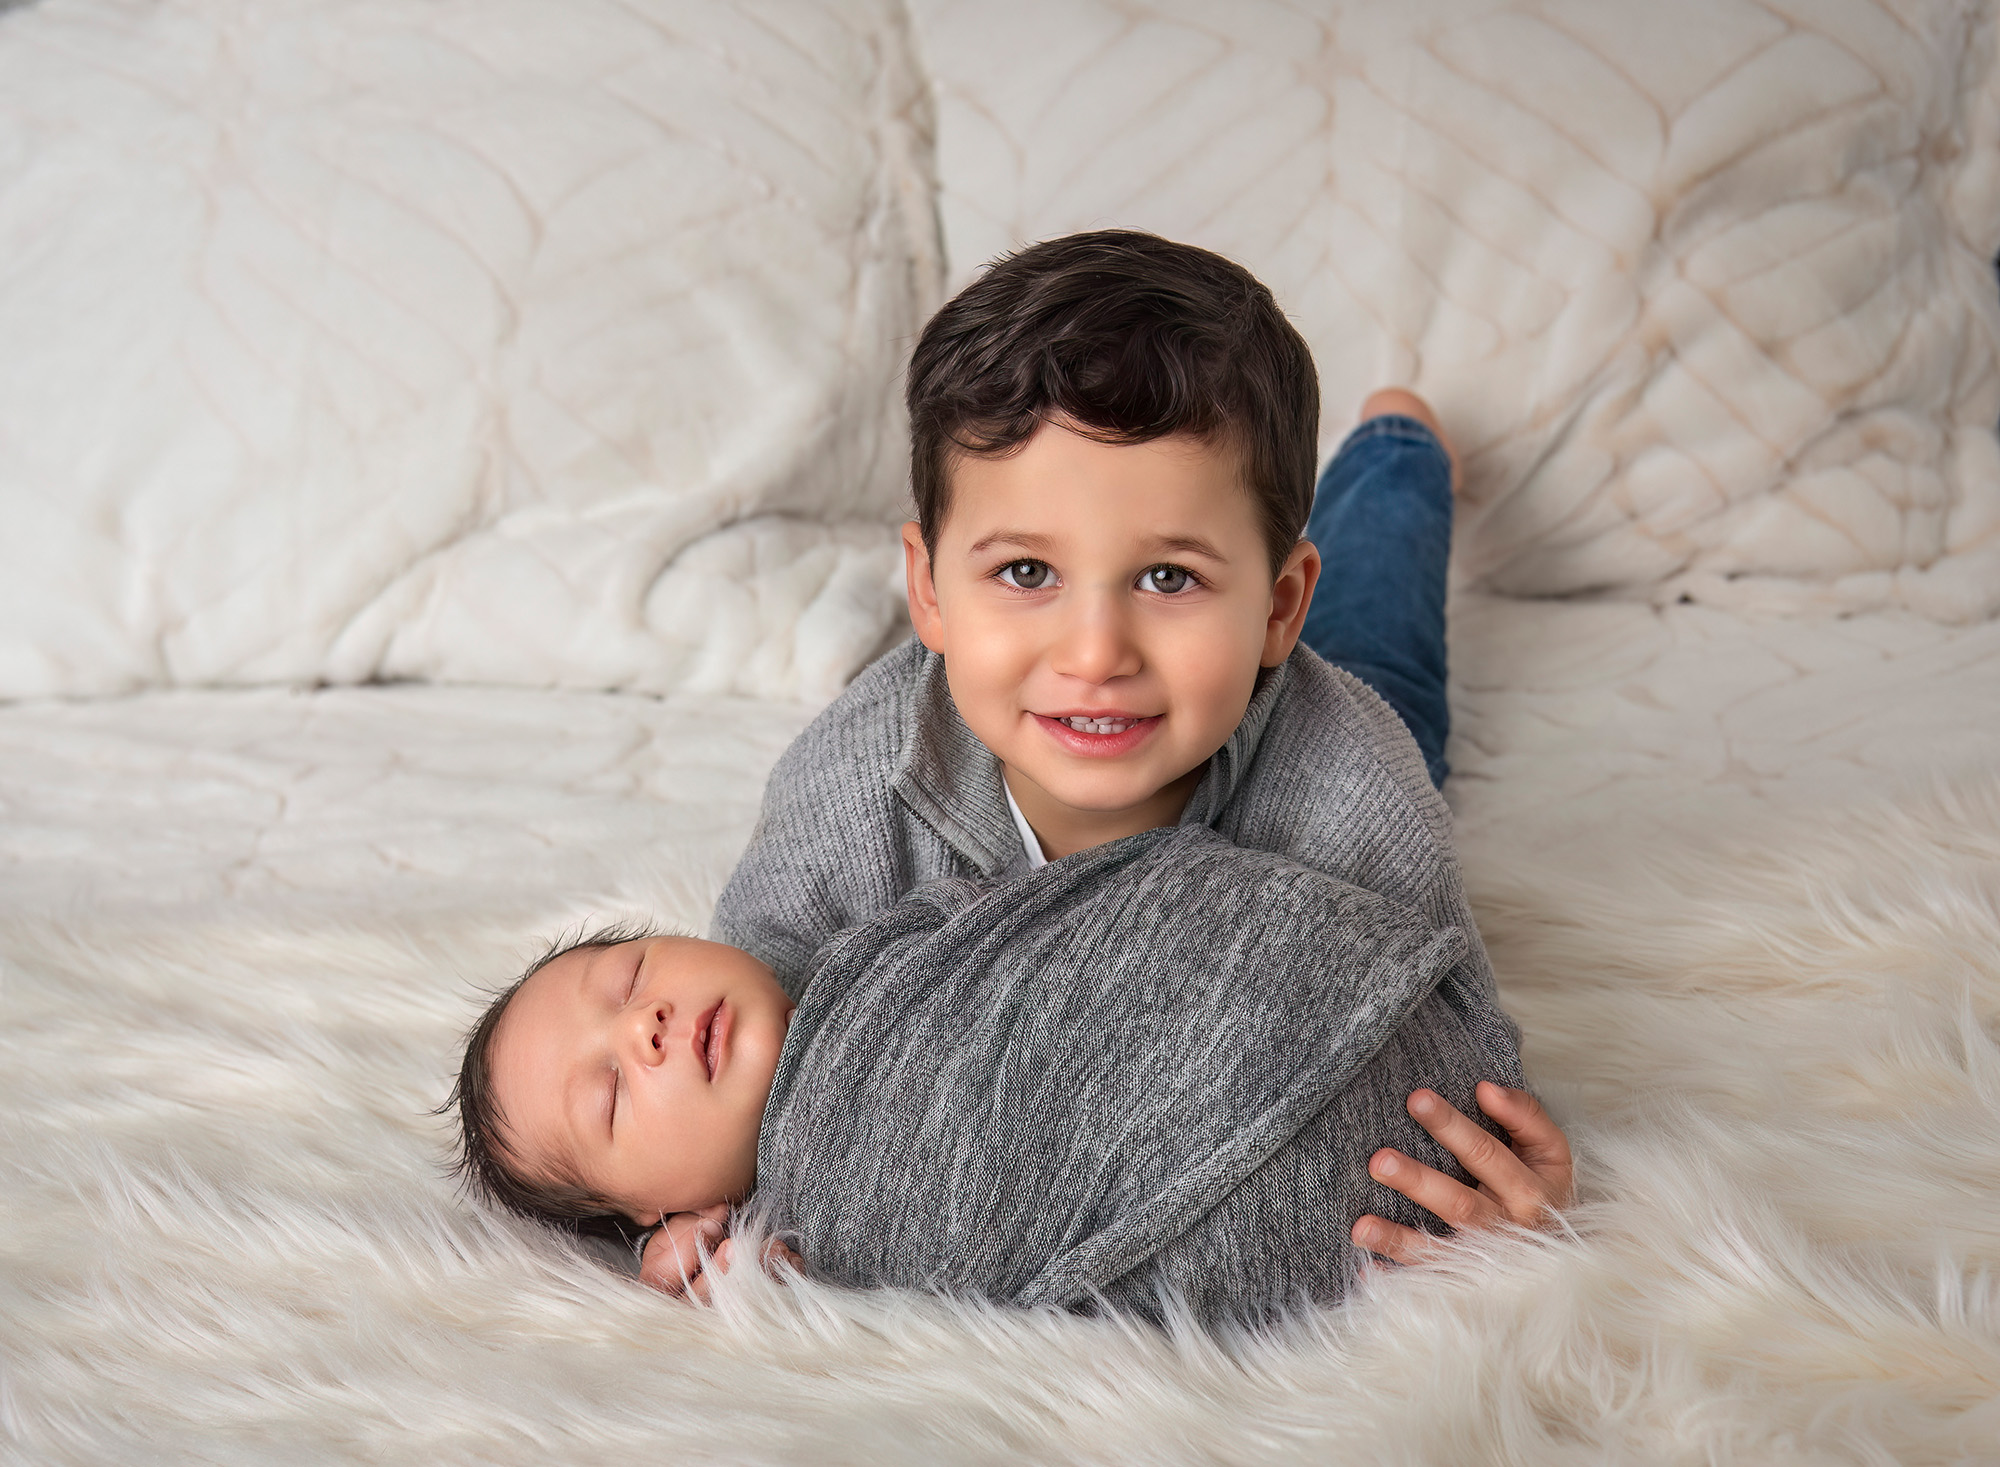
pixel 481 1159
pixel 1129 337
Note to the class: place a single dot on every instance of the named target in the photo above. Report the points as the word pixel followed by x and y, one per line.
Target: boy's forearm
pixel 829 849
pixel 792 894
pixel 769 910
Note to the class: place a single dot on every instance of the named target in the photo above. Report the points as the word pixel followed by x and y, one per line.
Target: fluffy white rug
pixel 241 931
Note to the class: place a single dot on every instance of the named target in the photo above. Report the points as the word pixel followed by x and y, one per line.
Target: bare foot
pixel 1404 403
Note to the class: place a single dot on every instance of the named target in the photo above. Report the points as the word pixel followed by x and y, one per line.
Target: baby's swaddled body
pixel 1161 1064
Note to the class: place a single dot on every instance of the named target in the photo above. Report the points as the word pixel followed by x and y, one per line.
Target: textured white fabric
pixel 1703 290
pixel 480 341
pixel 524 344
pixel 240 933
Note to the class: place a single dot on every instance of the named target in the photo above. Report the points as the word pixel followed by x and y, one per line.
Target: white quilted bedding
pixel 493 343
pixel 547 354
pixel 512 343
pixel 416 799
pixel 1705 289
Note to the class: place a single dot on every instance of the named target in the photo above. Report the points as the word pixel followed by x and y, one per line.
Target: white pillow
pixel 1704 289
pixel 430 338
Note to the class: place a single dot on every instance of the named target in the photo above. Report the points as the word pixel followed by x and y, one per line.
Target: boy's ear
pixel 1291 598
pixel 921 589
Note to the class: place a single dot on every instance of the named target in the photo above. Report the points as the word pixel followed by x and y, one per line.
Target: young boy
pixel 1113 443
pixel 1113 447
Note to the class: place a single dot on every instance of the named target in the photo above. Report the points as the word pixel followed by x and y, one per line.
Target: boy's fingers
pixel 1391 1240
pixel 1451 1202
pixel 1538 1140
pixel 1476 1148
pixel 1520 1189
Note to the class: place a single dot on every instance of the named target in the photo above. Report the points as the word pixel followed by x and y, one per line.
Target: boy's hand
pixel 1523 1184
pixel 673 1258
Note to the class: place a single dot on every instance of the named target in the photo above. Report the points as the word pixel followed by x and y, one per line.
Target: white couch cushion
pixel 1704 289
pixel 389 338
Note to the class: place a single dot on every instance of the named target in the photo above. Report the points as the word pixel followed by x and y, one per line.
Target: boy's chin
pixel 1104 790
pixel 1105 805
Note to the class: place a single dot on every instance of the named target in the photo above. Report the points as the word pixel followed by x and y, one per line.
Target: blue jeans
pixel 1381 520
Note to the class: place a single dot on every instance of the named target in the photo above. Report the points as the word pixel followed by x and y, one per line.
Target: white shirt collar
pixel 1036 860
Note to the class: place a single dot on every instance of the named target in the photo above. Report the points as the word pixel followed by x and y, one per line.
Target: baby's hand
pixel 1526 1183
pixel 673 1259
pixel 672 1262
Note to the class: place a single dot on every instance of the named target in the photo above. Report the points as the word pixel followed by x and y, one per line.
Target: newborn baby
pixel 1155 1069
pixel 631 1078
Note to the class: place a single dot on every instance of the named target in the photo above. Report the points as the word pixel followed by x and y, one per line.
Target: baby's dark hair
pixel 1129 337
pixel 480 1158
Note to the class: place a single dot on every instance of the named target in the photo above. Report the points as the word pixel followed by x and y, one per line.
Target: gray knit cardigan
pixel 1153 1070
pixel 888 790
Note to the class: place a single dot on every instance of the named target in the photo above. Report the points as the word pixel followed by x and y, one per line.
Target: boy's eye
pixel 1026 575
pixel 1166 579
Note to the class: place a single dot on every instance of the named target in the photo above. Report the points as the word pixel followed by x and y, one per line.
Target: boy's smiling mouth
pixel 1099 735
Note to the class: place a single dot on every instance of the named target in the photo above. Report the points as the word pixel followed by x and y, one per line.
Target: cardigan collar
pixel 952 781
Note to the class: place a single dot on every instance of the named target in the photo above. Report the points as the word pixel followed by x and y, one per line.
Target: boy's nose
pixel 1095 644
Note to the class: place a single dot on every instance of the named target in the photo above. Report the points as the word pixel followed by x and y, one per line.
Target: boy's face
pixel 640 1072
pixel 1102 611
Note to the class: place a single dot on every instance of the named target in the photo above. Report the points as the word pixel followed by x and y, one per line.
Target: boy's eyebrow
pixel 1021 539
pixel 1045 544
pixel 1188 545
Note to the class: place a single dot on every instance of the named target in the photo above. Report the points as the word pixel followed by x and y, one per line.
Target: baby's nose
pixel 650 1033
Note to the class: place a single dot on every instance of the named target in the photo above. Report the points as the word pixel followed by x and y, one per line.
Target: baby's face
pixel 640 1072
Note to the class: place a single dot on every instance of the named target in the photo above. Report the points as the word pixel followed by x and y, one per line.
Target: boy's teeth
pixel 1100 725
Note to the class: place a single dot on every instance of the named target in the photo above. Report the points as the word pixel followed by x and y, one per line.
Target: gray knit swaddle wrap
pixel 1163 1061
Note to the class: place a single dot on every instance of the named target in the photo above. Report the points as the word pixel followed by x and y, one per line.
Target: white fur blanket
pixel 1754 946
